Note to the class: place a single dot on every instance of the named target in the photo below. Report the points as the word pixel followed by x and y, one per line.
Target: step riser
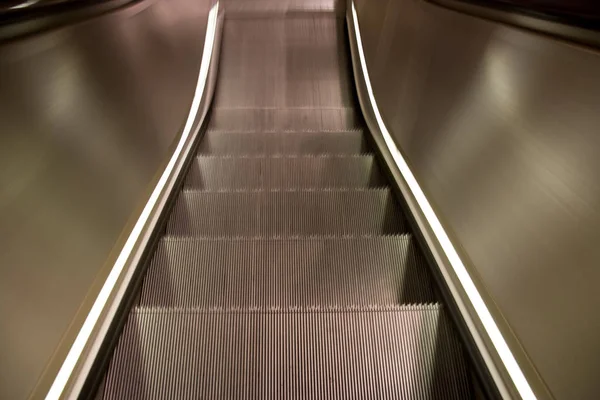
pixel 284 120
pixel 280 143
pixel 273 214
pixel 408 354
pixel 214 174
pixel 286 274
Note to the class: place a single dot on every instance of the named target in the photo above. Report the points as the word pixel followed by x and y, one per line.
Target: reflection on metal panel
pixel 499 126
pixel 89 116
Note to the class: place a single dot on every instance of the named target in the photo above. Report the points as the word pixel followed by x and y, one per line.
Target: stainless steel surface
pixel 274 143
pixel 252 8
pixel 287 273
pixel 274 119
pixel 286 276
pixel 89 114
pixel 498 125
pixel 295 212
pixel 284 173
pixel 288 355
pixel 284 63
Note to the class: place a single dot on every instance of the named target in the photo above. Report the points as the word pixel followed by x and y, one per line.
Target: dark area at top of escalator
pixel 12 11
pixel 579 13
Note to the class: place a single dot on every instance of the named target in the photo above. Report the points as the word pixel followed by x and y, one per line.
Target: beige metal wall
pixel 501 128
pixel 89 114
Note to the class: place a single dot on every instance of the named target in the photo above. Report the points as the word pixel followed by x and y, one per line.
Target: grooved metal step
pixel 253 8
pixel 320 172
pixel 280 143
pixel 298 61
pixel 283 213
pixel 287 273
pixel 284 120
pixel 406 352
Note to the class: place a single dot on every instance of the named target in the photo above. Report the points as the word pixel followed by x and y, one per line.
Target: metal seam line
pixel 60 382
pixel 473 294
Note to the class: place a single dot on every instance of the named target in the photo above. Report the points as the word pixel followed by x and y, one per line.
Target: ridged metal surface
pixel 252 8
pixel 278 143
pixel 284 62
pixel 90 113
pixel 402 353
pixel 286 213
pixel 287 273
pixel 283 120
pixel 322 172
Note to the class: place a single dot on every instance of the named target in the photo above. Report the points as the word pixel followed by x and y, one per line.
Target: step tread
pixel 362 354
pixel 278 143
pixel 287 273
pixel 284 119
pixel 304 172
pixel 268 213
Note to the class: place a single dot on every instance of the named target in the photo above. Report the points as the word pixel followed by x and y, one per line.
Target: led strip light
pixel 68 366
pixel 481 309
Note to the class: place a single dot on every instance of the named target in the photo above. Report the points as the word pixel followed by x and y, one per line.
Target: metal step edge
pixel 192 191
pixel 324 156
pixel 398 236
pixel 417 307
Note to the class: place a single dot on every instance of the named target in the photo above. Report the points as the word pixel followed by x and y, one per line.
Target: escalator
pixel 287 268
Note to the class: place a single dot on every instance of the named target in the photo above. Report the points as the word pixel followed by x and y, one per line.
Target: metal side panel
pixel 90 114
pixel 85 360
pixel 500 125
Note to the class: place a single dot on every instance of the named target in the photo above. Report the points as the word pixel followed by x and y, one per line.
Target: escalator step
pixel 408 352
pixel 286 213
pixel 296 61
pixel 304 143
pixel 262 7
pixel 321 172
pixel 320 273
pixel 284 120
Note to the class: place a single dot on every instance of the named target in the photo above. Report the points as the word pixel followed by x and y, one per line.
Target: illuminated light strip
pixel 68 366
pixel 483 313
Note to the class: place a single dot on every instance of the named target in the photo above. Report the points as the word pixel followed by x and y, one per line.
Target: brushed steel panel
pixel 89 113
pixel 500 128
